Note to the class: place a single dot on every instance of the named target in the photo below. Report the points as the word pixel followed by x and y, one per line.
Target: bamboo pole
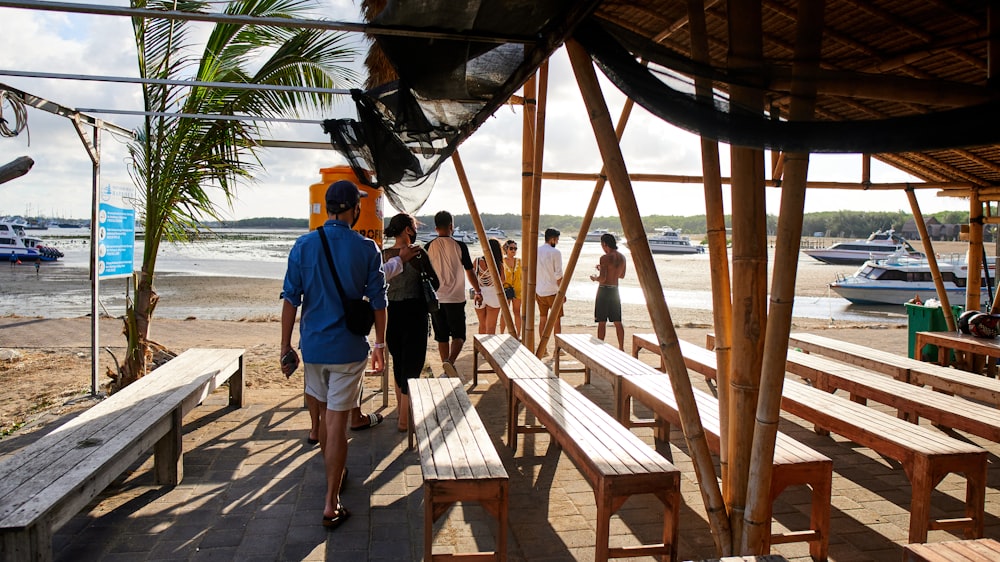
pixel 715 218
pixel 652 291
pixel 866 169
pixel 749 259
pixel 581 237
pixel 527 180
pixel 477 221
pixel 538 145
pixel 942 294
pixel 757 519
pixel 683 179
pixel 973 290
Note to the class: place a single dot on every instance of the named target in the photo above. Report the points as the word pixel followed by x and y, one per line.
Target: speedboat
pixel 669 241
pixel 497 233
pixel 595 235
pixel 880 245
pixel 899 278
pixel 15 245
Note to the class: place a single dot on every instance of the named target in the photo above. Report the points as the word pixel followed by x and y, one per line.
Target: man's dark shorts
pixel 608 304
pixel 449 322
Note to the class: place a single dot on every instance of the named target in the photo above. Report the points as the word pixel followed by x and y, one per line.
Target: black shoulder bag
pixel 358 313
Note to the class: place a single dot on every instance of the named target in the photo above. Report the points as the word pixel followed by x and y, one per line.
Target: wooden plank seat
pixel 794 463
pixel 47 482
pixel 976 550
pixel 457 459
pixel 508 359
pixel 927 456
pixel 615 463
pixel 943 379
pixel 911 402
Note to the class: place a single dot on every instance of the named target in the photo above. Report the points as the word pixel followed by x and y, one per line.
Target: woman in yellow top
pixel 512 284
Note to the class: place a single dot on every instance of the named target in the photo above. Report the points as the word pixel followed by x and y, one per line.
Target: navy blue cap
pixel 343 195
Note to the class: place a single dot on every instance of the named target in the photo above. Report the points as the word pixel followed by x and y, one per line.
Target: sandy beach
pixel 52 339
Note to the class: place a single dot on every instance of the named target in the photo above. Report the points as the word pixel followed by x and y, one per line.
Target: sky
pixel 60 183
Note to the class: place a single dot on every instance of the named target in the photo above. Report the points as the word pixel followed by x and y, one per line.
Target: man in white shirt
pixel 450 259
pixel 548 278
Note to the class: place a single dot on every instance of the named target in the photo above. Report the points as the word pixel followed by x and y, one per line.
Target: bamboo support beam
pixel 757 519
pixel 973 290
pixel 527 180
pixel 715 218
pixel 477 221
pixel 581 237
pixel 942 294
pixel 538 146
pixel 652 290
pixel 682 179
pixel 749 258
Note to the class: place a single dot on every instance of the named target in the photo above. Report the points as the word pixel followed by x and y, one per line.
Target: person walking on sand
pixel 512 283
pixel 334 357
pixel 608 303
pixel 38 264
pixel 450 259
pixel 490 308
pixel 406 332
pixel 548 278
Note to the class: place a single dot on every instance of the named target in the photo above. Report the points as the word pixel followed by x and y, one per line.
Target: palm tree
pixel 182 165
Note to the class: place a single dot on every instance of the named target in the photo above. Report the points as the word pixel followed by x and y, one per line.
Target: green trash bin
pixel 920 318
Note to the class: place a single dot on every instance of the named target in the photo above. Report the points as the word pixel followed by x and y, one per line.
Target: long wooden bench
pixel 615 463
pixel 44 484
pixel 976 550
pixel 457 459
pixel 943 379
pixel 794 463
pixel 927 456
pixel 911 402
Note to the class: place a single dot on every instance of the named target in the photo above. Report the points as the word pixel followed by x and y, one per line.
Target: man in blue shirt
pixel 334 358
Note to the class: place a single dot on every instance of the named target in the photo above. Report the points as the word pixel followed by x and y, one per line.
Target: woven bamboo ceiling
pixel 880 59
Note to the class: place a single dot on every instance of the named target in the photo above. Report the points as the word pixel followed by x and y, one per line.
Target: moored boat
pixel 669 241
pixel 880 245
pixel 595 235
pixel 898 279
pixel 15 245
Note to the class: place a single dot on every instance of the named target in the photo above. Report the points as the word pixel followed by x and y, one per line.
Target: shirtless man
pixel 608 304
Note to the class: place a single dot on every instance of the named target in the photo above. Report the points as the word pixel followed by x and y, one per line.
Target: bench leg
pixel 975 498
pixel 428 522
pixel 511 418
pixel 33 543
pixel 819 518
pixel 922 483
pixel 237 388
pixel 475 364
pixel 168 453
pixel 604 511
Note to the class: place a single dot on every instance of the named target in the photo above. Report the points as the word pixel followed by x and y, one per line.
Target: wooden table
pixel 953 551
pixel 972 353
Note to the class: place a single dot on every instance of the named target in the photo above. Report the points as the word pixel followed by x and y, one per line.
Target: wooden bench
pixel 44 484
pixel 794 463
pixel 457 459
pixel 911 402
pixel 615 463
pixel 972 353
pixel 927 456
pixel 977 550
pixel 943 379
pixel 508 359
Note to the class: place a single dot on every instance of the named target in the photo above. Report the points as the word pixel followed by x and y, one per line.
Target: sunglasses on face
pixel 512 248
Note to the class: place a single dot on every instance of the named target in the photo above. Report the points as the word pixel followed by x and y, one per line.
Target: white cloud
pixel 60 182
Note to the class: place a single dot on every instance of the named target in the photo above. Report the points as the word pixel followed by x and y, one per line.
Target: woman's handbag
pixel 358 313
pixel 508 291
pixel 430 295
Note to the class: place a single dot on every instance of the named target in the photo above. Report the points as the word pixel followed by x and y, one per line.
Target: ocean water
pixel 263 253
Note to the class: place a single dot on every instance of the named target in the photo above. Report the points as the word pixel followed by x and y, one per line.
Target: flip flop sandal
pixel 342 515
pixel 373 420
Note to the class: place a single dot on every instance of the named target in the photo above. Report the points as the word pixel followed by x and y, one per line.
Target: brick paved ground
pixel 253 491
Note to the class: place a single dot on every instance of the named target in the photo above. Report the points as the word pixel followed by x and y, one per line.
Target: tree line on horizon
pixel 841 224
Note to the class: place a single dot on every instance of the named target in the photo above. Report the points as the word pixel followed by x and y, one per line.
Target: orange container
pixel 372 216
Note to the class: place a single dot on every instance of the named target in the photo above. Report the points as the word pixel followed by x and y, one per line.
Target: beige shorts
pixel 545 304
pixel 338 385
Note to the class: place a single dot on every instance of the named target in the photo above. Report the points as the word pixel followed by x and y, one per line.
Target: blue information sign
pixel 116 233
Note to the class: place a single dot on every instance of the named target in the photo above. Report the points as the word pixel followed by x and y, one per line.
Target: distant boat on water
pixel 15 245
pixel 897 279
pixel 595 235
pixel 669 241
pixel 880 245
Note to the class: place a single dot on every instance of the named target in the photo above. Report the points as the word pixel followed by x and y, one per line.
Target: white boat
pixel 15 245
pixel 496 233
pixel 595 235
pixel 669 241
pixel 880 245
pixel 897 279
